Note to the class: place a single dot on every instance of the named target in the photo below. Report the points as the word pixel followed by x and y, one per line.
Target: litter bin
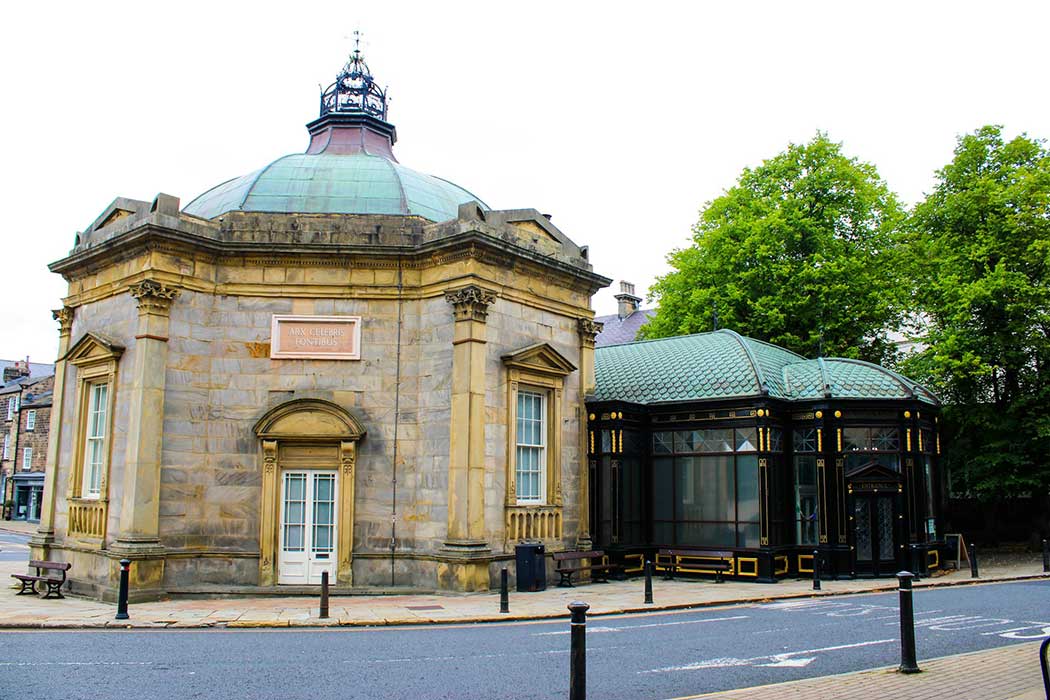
pixel 531 567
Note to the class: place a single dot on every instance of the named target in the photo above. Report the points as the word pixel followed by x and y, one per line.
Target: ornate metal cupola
pixel 353 113
pixel 355 90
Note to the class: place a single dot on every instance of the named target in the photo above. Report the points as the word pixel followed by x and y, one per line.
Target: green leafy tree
pixel 800 252
pixel 982 252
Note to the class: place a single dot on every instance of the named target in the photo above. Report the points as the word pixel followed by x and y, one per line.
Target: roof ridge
pixel 908 385
pixel 262 171
pixel 400 185
pixel 759 376
pixel 825 379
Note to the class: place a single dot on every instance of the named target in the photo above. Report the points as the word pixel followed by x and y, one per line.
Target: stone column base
pixel 463 576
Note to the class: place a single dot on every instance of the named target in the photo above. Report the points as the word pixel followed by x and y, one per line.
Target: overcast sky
pixel 619 120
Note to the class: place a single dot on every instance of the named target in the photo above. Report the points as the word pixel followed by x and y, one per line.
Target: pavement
pixel 1008 673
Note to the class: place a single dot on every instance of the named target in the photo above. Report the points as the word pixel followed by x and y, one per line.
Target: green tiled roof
pixel 328 183
pixel 724 364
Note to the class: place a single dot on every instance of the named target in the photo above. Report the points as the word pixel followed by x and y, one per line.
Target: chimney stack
pixel 18 369
pixel 627 301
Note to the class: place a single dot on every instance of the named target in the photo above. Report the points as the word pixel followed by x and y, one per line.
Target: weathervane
pixel 354 89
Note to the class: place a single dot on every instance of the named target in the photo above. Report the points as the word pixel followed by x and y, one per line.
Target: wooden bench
pixel 53 584
pixel 702 561
pixel 594 561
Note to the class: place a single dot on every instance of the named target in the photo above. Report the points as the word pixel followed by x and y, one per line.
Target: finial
pixel 354 89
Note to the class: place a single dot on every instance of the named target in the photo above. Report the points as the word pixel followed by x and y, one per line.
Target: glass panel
pixel 663 491
pixel 716 440
pixel 747 535
pixel 885 439
pixel 662 443
pixel 686 441
pixel 690 490
pixel 806 471
pixel 854 439
pixel 862 525
pixel 885 515
pixel 806 510
pixel 323 515
pixel 805 440
pixel 747 488
pixel 718 497
pixel 294 512
pixel 606 441
pixel 928 441
pixel 746 440
pixel 663 533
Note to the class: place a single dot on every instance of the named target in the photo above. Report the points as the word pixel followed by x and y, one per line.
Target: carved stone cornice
pixel 64 316
pixel 153 296
pixel 588 329
pixel 471 303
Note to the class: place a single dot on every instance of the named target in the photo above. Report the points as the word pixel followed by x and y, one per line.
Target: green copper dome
pixel 335 183
pixel 724 364
pixel 348 168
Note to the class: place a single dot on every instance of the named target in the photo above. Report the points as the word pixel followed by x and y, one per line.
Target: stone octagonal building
pixel 334 363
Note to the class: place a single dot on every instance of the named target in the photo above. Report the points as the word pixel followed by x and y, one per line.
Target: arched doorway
pixel 309 453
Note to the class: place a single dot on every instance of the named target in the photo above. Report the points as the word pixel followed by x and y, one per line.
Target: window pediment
pixel 540 358
pixel 309 419
pixel 93 348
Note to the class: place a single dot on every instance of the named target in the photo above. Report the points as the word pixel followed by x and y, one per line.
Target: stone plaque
pixel 316 337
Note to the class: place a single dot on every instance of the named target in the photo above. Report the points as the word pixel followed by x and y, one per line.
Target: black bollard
pixel 1046 557
pixel 648 583
pixel 504 595
pixel 578 651
pixel 324 596
pixel 973 562
pixel 816 569
pixel 122 594
pixel 908 664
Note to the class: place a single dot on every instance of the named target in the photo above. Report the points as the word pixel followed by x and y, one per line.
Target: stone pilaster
pixel 45 534
pixel 588 329
pixel 466 477
pixel 139 513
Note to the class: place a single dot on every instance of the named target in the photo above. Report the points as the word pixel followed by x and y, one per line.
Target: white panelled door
pixel 308 524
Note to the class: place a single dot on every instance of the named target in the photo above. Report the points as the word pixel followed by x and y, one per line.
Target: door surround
pixel 307 433
pixel 866 484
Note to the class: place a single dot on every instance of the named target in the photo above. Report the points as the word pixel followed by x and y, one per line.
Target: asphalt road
pixel 14 547
pixel 641 656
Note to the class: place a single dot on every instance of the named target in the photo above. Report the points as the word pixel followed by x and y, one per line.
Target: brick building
pixel 25 416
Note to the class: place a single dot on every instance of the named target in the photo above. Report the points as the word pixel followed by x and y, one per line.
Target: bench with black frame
pixel 53 584
pixel 594 561
pixel 694 561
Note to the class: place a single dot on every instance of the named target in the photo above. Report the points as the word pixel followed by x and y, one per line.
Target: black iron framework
pixel 354 90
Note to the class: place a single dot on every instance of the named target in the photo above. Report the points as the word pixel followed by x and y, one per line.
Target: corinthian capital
pixel 471 303
pixel 588 328
pixel 153 296
pixel 64 316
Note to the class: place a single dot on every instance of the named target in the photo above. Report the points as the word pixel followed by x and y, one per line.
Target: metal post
pixel 816 569
pixel 324 595
pixel 122 594
pixel 504 594
pixel 578 651
pixel 908 664
pixel 1046 557
pixel 648 583
pixel 973 562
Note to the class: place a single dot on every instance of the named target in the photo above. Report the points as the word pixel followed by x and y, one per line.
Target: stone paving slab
pixel 1006 673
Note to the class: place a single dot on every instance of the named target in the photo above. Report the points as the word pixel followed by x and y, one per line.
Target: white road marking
pixel 591 630
pixel 461 657
pixel 791 663
pixel 76 663
pixel 774 659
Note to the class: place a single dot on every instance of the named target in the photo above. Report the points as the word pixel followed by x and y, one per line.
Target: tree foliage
pixel 798 253
pixel 981 249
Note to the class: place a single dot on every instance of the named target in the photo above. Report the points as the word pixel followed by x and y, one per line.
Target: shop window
pixel 865 445
pixel 806 499
pixel 30 420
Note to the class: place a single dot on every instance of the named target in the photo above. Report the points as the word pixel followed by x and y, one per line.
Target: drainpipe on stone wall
pixel 397 420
